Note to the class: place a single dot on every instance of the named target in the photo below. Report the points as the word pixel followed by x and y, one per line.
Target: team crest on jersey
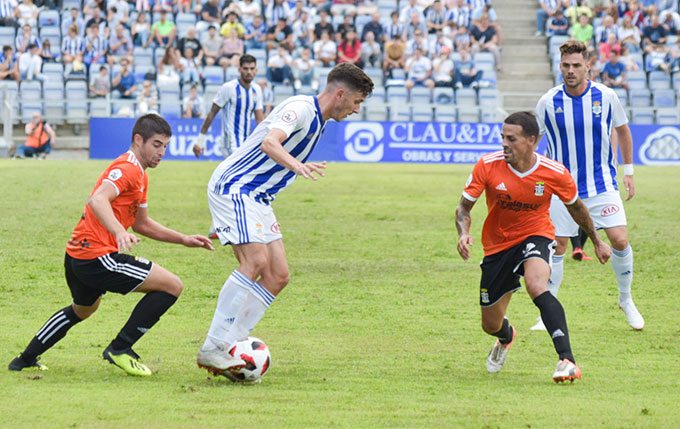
pixel 115 174
pixel 484 295
pixel 539 189
pixel 597 108
pixel 289 116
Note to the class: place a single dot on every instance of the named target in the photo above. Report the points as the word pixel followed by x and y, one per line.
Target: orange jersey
pixel 518 203
pixel 90 239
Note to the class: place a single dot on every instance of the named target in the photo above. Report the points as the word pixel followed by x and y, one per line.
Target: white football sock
pixel 622 263
pixel 556 274
pixel 258 301
pixel 231 299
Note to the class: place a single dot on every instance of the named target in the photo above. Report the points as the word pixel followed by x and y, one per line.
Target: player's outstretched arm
pixel 100 203
pixel 463 222
pixel 272 146
pixel 579 212
pixel 199 145
pixel 154 230
pixel 625 141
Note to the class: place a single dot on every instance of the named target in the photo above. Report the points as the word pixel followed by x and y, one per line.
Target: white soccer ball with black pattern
pixel 256 355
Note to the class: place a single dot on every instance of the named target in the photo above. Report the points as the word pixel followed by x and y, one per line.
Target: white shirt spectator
pixel 248 10
pixel 418 68
pixel 325 50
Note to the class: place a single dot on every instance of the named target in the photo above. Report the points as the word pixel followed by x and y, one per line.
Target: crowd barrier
pixel 352 141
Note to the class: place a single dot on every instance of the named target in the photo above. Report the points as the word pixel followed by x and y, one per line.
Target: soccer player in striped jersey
pixel 240 194
pixel 239 99
pixel 579 117
pixel 518 237
pixel 94 262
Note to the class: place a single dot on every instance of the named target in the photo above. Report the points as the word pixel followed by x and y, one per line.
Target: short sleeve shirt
pixel 90 238
pixel 518 203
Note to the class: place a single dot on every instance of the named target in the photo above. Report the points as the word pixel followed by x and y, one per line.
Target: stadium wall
pixel 408 142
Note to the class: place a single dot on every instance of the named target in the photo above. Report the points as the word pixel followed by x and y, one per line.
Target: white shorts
pixel 239 219
pixel 605 209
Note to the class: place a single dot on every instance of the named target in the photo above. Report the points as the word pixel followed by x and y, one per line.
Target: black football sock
pixel 52 331
pixel 505 333
pixel 575 242
pixel 143 317
pixel 555 322
pixel 582 237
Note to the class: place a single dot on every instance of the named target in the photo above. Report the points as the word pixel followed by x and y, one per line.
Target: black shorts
pixel 501 271
pixel 89 279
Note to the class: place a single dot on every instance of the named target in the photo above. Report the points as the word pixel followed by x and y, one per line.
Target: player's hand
pixel 126 241
pixel 464 243
pixel 197 241
pixel 307 170
pixel 602 251
pixel 630 186
pixel 197 150
pixel 199 145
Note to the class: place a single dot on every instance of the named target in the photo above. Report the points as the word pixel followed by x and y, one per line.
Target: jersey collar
pixel 529 171
pixel 577 96
pixel 318 111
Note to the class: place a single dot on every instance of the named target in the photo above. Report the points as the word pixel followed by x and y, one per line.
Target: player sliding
pixel 240 194
pixel 518 237
pixel 94 265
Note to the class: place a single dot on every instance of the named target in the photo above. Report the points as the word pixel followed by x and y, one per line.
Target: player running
pixel 94 266
pixel 240 194
pixel 239 99
pixel 579 117
pixel 518 237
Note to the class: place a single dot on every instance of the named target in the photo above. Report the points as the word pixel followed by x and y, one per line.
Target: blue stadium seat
pixel 68 4
pixel 157 55
pixel 213 74
pixel 13 93
pixel 445 113
pixel 422 113
pixel 7 36
pixel 399 112
pixel 53 34
pixel 484 58
pixel 668 116
pixel 360 22
pixel 375 74
pixel 142 56
pixel 489 97
pixel 659 80
pixel 664 98
pixel 639 98
pixel 643 116
pixel 375 108
pixel 76 102
pixel 281 92
pixel 676 81
pixel 421 95
pixel 397 95
pixel 141 72
pixel 30 94
pixel 260 56
pixel 466 97
pixel 378 93
pixel 49 18
pixel 53 92
pixel 53 71
pixel 232 73
pixel 468 115
pixel 171 109
pixel 623 95
pixel 100 108
pixel 443 95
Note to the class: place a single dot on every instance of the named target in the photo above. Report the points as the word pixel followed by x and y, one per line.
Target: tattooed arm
pixel 463 226
pixel 579 212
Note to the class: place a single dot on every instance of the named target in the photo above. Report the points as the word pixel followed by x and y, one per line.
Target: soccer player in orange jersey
pixel 94 265
pixel 518 237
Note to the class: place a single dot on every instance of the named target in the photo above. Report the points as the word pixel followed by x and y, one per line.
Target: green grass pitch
pixel 379 326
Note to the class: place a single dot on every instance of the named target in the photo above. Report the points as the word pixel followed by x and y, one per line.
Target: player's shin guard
pixel 231 299
pixel 257 302
pixel 556 274
pixel 52 331
pixel 622 263
pixel 505 333
pixel 143 317
pixel 555 322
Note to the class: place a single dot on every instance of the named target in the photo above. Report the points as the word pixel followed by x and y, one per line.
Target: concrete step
pixel 524 52
pixel 519 22
pixel 527 85
pixel 514 103
pixel 528 41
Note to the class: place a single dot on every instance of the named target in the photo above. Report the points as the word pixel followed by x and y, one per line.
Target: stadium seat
pixel 158 55
pixel 489 97
pixel 443 95
pixel 67 5
pixel 76 102
pixel 484 58
pixel 53 34
pixel 100 108
pixel 7 36
pixel 676 81
pixel 375 74
pixel 397 95
pixel 398 78
pixel 445 113
pixel 639 98
pixel 281 92
pixel 171 110
pixel 360 22
pixel 421 95
pixel 13 93
pixel 422 113
pixel 53 71
pixel 53 91
pixel 261 58
pixel 49 18
pixel 659 80
pixel 468 115
pixel 30 94
pixel 623 95
pixel 399 112
pixel 636 79
pixel 210 91
pixel 375 108
pixel 141 72
pixel 643 116
pixel 213 74
pixel 378 93
pixel 669 116
pixel 466 97
pixel 232 73
pixel 664 98
pixel 142 56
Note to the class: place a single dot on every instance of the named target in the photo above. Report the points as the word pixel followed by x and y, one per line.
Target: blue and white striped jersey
pixel 250 171
pixel 579 130
pixel 238 105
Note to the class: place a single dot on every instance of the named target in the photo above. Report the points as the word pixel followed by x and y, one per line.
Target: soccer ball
pixel 257 357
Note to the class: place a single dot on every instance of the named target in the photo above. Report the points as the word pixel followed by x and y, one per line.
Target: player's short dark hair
pixel 247 59
pixel 352 77
pixel 6 48
pixel 149 125
pixel 573 47
pixel 526 120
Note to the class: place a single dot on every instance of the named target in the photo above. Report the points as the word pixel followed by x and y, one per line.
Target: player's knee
pixel 619 243
pixel 85 311
pixel 174 286
pixel 491 327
